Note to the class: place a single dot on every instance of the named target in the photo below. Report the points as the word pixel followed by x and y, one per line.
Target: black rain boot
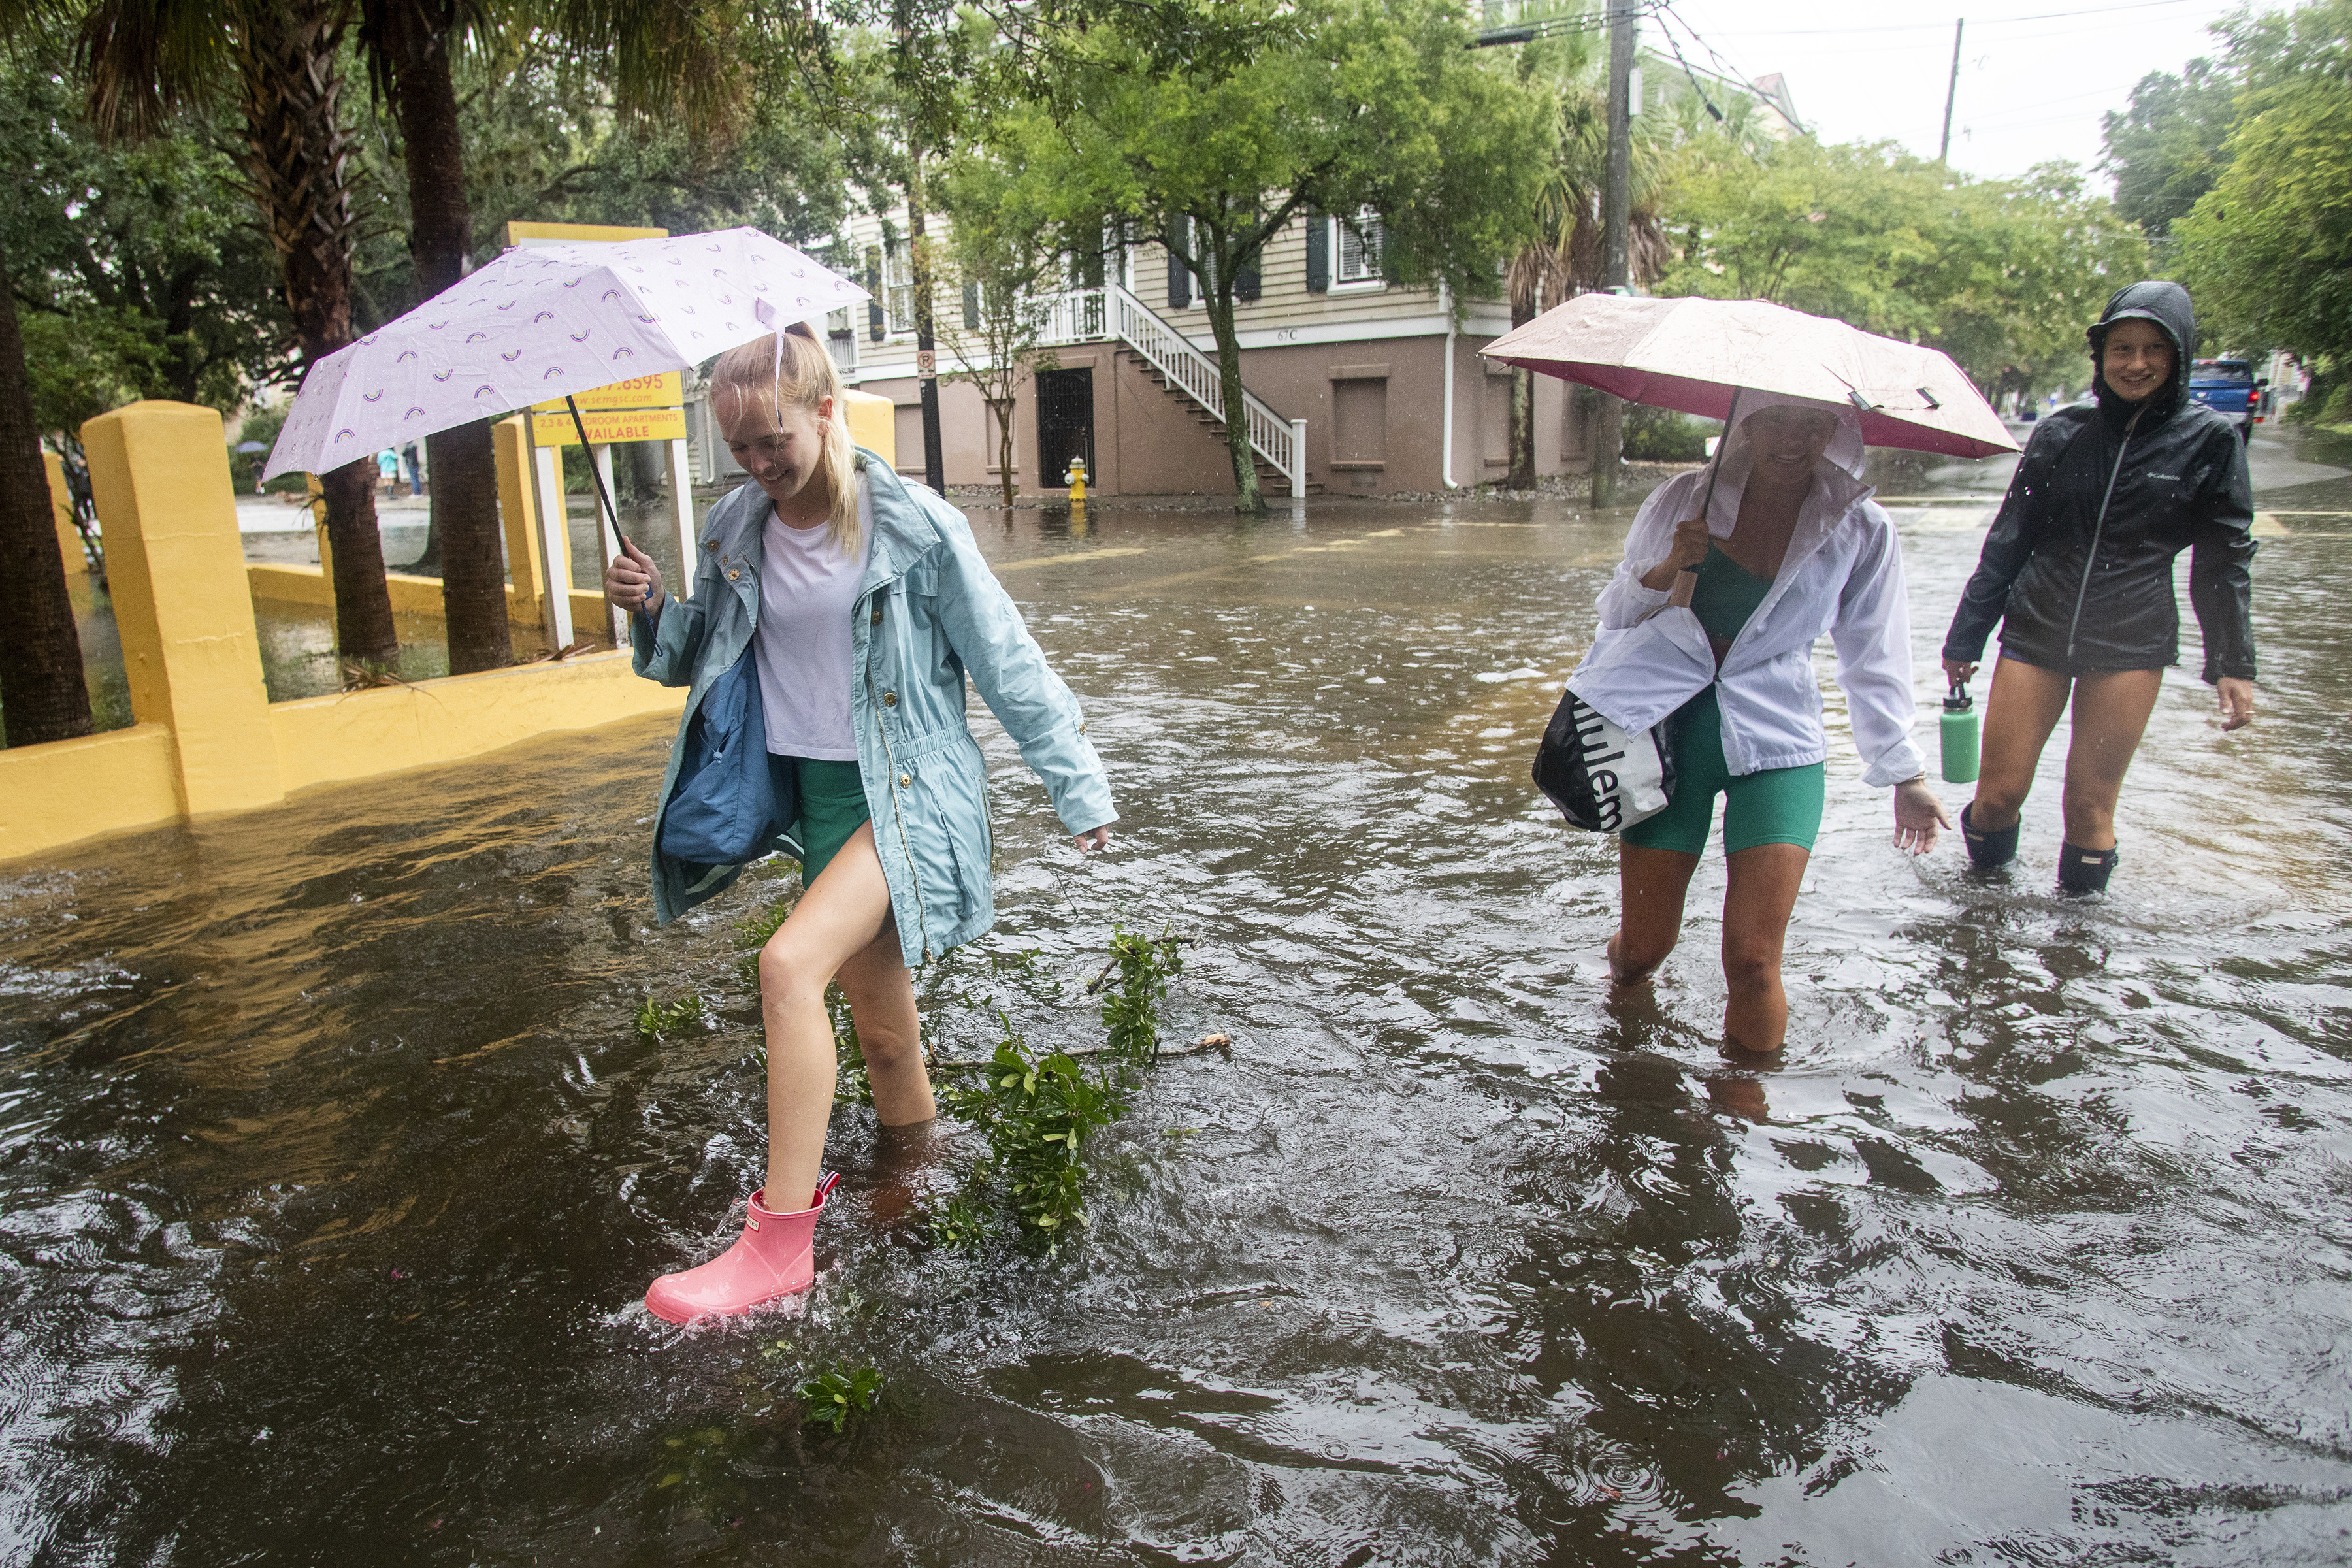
pixel 2084 871
pixel 1987 850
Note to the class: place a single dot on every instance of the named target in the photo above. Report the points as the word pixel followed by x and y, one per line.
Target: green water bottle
pixel 1959 736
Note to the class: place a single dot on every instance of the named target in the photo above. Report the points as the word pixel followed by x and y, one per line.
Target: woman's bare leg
pixel 835 920
pixel 882 1001
pixel 1650 887
pixel 2020 712
pixel 1756 910
pixel 2111 711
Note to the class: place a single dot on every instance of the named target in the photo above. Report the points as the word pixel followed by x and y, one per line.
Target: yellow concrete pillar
pixel 524 571
pixel 61 508
pixel 873 423
pixel 159 474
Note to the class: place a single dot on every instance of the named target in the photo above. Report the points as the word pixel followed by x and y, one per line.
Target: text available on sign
pixel 606 427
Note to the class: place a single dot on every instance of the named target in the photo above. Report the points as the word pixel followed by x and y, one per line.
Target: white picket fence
pixel 1090 315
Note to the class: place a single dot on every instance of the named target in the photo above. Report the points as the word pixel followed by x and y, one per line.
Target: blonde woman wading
pixel 865 604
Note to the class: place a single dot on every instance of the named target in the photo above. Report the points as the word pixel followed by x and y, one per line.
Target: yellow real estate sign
pixel 643 409
pixel 667 390
pixel 608 425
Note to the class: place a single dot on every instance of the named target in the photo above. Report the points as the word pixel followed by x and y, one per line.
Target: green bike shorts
pixel 1778 806
pixel 832 806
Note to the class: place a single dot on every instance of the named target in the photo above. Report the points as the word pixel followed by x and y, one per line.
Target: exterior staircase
pixel 1170 358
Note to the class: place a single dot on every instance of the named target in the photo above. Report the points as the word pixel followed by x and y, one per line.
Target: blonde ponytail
pixel 793 371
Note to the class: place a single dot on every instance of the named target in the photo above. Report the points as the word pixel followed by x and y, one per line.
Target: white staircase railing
pixel 1083 315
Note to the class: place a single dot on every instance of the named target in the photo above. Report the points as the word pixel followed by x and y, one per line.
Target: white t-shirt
pixel 807 589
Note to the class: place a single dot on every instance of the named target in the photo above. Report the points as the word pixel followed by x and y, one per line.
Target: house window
pixel 1360 242
pixel 899 287
pixel 841 338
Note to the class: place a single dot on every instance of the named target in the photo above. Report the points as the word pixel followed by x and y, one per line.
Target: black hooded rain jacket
pixel 2082 578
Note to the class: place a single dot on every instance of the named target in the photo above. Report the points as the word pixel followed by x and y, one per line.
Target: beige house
pixel 1356 385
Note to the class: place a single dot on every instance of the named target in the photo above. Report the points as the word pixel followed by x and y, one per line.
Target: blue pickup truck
pixel 2228 387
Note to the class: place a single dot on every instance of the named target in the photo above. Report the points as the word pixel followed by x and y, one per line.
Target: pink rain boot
pixel 772 1258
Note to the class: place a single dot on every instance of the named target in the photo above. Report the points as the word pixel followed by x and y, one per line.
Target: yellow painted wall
pixel 69 790
pixel 207 738
pixel 61 509
pixel 288 584
pixel 176 562
pixel 361 735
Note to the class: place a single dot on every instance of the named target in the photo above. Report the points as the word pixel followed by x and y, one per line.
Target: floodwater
pixel 333 1169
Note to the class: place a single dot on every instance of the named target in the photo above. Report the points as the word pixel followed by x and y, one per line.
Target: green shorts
pixel 832 806
pixel 1779 805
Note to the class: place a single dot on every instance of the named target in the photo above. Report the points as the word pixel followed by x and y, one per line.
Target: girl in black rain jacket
pixel 2078 569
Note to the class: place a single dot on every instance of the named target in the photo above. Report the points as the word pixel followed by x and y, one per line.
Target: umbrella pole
pixel 597 474
pixel 1716 467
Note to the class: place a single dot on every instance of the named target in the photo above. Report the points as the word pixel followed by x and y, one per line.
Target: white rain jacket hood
pixel 1842 575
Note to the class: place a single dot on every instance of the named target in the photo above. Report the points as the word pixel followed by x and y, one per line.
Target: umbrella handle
pixel 597 474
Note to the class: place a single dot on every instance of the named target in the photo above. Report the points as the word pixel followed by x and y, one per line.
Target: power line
pixel 1939 26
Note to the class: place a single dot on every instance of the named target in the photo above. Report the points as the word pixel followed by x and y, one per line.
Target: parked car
pixel 2228 387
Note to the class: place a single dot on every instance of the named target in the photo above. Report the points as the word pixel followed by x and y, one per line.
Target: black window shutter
pixel 970 306
pixel 1319 253
pixel 874 327
pixel 1247 284
pixel 1180 279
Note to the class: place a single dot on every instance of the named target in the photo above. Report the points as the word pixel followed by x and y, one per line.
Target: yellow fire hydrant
pixel 1076 478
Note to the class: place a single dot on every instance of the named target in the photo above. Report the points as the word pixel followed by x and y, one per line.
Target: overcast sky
pixel 2035 74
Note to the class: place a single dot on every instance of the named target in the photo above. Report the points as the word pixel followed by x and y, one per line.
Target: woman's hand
pixel 2237 702
pixel 1689 550
pixel 1957 672
pixel 632 581
pixel 1917 814
pixel 1093 838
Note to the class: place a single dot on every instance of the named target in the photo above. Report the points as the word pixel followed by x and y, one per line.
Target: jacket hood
pixel 2168 305
pixel 1840 468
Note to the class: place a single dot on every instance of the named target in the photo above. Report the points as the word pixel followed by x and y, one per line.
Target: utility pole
pixel 927 362
pixel 1616 213
pixel 1944 153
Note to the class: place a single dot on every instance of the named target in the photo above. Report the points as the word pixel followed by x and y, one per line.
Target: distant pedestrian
pixel 1791 548
pixel 387 471
pixel 2078 571
pixel 408 456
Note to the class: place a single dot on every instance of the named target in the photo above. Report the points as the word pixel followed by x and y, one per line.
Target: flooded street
pixel 333 1167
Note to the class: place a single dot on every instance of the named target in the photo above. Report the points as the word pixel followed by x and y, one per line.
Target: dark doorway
pixel 1065 425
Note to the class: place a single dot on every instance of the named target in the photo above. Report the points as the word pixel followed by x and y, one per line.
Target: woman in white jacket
pixel 1791 547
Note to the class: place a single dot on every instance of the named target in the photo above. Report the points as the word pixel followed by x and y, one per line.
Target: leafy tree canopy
pixel 2002 275
pixel 2166 149
pixel 2268 250
pixel 139 270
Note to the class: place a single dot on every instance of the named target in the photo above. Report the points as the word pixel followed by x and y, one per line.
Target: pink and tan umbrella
pixel 1695 355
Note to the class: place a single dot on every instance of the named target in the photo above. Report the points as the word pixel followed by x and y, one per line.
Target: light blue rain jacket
pixel 929 611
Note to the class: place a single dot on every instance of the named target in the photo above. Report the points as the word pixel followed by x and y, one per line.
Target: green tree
pixel 2168 147
pixel 1208 125
pixel 2268 250
pixel 42 692
pixel 2001 275
pixel 999 253
pixel 277 66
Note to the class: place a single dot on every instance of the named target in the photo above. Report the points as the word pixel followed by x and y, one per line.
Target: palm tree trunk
pixel 296 152
pixel 412 39
pixel 42 689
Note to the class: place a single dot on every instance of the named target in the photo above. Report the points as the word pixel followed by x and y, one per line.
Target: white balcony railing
pixel 1092 315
